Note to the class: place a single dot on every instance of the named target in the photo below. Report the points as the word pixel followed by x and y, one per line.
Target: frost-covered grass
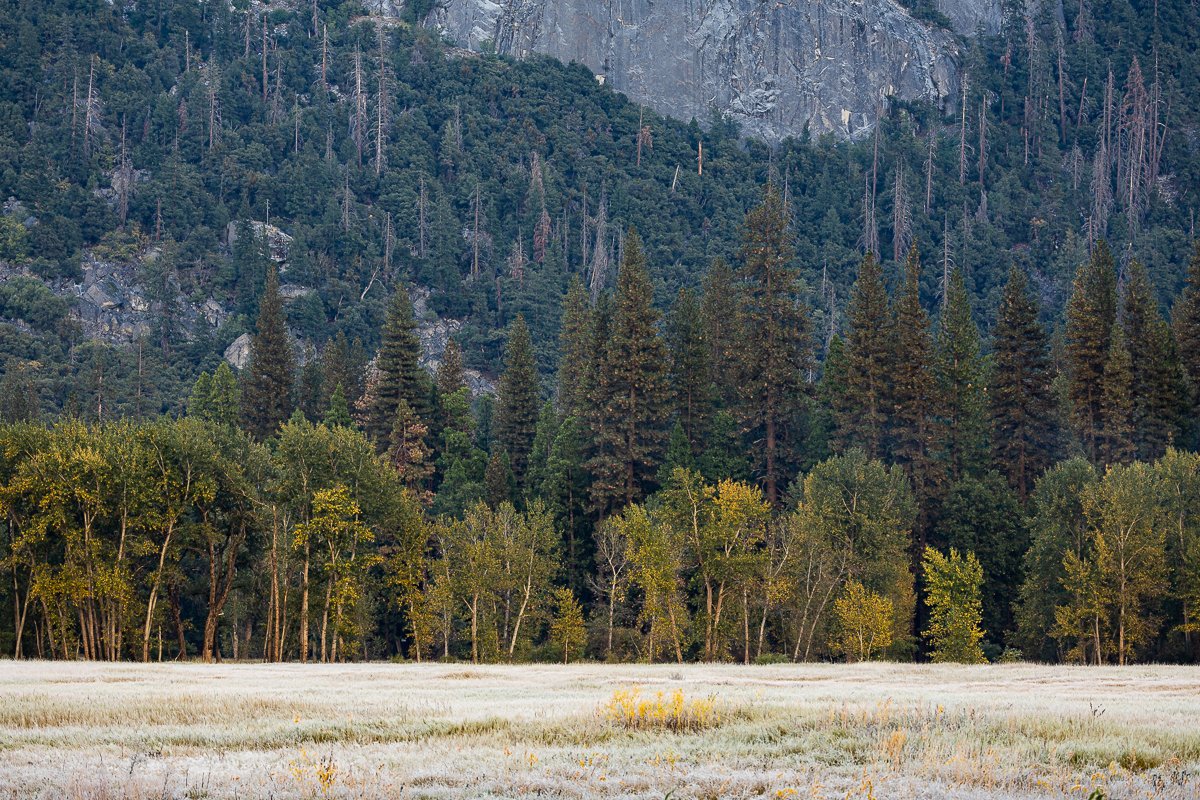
pixel 102 731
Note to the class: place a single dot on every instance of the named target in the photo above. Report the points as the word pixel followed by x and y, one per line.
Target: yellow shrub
pixel 663 711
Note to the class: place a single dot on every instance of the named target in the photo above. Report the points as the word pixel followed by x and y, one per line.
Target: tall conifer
pixel 1020 397
pixel 916 434
pixel 270 377
pixel 1115 440
pixel 400 375
pixel 1156 377
pixel 574 347
pixel 860 419
pixel 776 347
pixel 691 387
pixel 517 401
pixel 1185 319
pixel 961 379
pixel 629 390
pixel 1091 313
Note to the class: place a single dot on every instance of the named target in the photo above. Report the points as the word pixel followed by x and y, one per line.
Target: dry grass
pixel 812 731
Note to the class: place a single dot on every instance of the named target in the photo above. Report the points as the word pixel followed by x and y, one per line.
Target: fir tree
pixel 344 363
pixel 916 434
pixel 1020 395
pixel 407 452
pixel 499 486
pixel 338 413
pixel 720 312
pixel 1185 319
pixel 1091 313
pixel 961 382
pixel 574 346
pixel 629 391
pixel 450 376
pixel 860 417
pixel 400 374
pixel 270 375
pixel 776 347
pixel 691 387
pixel 1115 440
pixel 517 401
pixel 1156 377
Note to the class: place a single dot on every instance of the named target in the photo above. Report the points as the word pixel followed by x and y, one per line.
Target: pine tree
pixel 1156 377
pixel 574 346
pixel 19 400
pixel 517 401
pixel 344 364
pixel 1185 319
pixel 1020 394
pixel 629 392
pixel 961 382
pixel 691 387
pixel 1115 440
pixel 1091 313
pixel 450 376
pixel 400 374
pixel 407 452
pixel 499 486
pixel 776 347
pixel 861 416
pixel 338 412
pixel 720 312
pixel 916 403
pixel 271 372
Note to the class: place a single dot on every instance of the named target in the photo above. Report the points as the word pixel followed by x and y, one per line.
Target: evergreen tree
pixel 1020 395
pixel 721 314
pixel 338 412
pixel 450 376
pixel 981 515
pixel 565 490
pixel 691 387
pixel 678 456
pixel 961 382
pixel 19 401
pixel 1185 319
pixel 915 400
pixel 499 486
pixel 400 375
pixel 344 363
pixel 407 452
pixel 1091 313
pixel 574 347
pixel 629 390
pixel 517 401
pixel 1156 378
pixel 1116 404
pixel 776 347
pixel 860 417
pixel 269 380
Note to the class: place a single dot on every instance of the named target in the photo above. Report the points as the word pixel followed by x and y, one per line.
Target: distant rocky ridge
pixel 773 66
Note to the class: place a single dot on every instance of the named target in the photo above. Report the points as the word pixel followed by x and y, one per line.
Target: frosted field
pixel 100 731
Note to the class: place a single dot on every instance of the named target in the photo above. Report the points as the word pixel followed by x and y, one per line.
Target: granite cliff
pixel 772 66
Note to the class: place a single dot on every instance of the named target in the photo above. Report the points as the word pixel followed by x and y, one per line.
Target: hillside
pixel 138 134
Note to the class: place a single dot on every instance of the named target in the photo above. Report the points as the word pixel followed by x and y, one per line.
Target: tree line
pixel 728 481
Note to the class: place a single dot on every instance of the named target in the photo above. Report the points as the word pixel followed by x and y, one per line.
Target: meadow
pixel 100 731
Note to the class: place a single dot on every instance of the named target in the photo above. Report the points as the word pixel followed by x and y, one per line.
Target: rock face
pixel 772 65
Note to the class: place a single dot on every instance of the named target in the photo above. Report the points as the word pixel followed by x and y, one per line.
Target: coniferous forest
pixel 929 394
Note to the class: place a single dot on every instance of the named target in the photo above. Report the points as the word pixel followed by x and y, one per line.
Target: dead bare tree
pixel 358 111
pixel 600 254
pixel 422 216
pixel 901 216
pixel 382 100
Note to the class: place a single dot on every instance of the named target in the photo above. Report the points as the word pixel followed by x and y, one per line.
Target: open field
pixel 101 731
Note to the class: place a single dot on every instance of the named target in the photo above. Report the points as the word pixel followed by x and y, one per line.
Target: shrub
pixel 670 711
